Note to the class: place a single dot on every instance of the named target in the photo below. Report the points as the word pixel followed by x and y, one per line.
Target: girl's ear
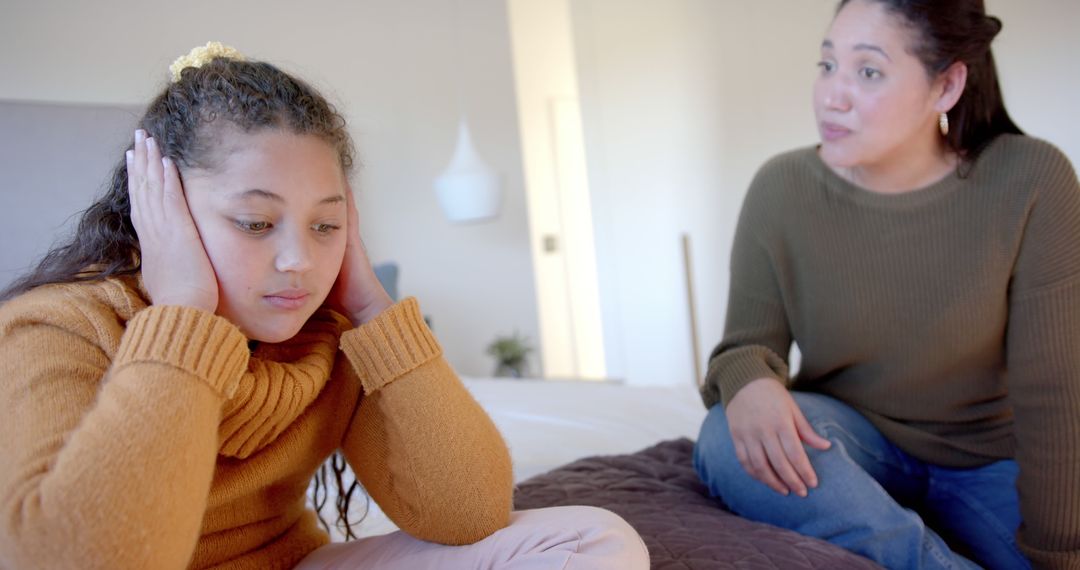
pixel 950 86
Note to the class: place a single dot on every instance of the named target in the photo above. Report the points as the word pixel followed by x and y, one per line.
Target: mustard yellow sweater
pixel 136 436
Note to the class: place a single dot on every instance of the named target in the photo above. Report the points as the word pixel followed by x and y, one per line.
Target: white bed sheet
pixel 549 423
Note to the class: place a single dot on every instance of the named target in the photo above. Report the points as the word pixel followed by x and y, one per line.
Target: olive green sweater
pixel 137 436
pixel 949 316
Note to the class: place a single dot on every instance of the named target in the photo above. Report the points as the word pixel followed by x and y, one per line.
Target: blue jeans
pixel 868 494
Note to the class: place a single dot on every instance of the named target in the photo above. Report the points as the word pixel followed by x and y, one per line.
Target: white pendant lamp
pixel 468 189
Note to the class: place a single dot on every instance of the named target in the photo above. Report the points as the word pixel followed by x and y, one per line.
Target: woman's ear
pixel 950 86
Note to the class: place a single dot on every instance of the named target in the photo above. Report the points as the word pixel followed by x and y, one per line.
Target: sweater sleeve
pixel 108 463
pixel 424 449
pixel 1043 363
pixel 757 337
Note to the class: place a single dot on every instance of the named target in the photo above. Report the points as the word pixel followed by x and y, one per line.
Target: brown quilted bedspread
pixel 657 491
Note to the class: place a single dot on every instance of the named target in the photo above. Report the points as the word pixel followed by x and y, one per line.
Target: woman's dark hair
pixel 188 120
pixel 949 31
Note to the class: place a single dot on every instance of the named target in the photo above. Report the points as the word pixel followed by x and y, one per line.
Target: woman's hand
pixel 768 430
pixel 175 267
pixel 357 293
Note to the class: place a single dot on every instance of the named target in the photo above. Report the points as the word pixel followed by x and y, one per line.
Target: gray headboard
pixel 54 159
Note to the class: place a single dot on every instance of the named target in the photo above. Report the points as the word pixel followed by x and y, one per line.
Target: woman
pixel 925 257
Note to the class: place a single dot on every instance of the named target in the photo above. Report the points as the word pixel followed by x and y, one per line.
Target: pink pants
pixel 556 538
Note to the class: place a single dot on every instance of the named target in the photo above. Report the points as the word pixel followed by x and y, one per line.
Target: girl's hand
pixel 768 430
pixel 357 293
pixel 175 267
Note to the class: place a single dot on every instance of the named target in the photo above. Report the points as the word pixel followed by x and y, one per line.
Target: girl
pixel 926 259
pixel 173 377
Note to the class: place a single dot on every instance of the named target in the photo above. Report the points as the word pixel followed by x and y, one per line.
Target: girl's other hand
pixel 768 430
pixel 357 293
pixel 175 267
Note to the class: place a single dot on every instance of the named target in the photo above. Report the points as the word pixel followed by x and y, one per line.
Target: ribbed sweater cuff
pixel 390 345
pixel 738 371
pixel 198 342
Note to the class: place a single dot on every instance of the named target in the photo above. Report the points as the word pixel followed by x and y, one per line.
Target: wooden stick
pixel 691 306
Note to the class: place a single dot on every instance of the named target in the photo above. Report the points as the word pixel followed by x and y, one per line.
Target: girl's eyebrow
pixel 268 195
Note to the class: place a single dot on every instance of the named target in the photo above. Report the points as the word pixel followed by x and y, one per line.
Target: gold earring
pixel 943 124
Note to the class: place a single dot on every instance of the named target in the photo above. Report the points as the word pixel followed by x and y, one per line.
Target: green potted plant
pixel 511 355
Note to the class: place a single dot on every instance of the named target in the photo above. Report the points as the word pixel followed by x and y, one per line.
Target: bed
pixel 627 449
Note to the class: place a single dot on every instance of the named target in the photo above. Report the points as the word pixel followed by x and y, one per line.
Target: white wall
pixel 681 104
pixel 395 68
pixel 684 99
pixel 1036 55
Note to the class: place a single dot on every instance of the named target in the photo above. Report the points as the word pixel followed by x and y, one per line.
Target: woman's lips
pixel 831 132
pixel 288 299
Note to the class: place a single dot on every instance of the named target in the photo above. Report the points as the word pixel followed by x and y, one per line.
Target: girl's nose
pixel 294 255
